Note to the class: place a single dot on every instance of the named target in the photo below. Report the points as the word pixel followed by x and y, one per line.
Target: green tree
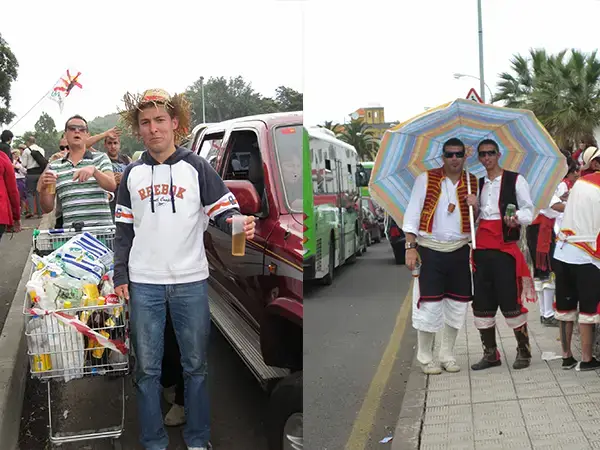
pixel 226 99
pixel 8 74
pixel 563 91
pixel 288 99
pixel 46 135
pixel 357 134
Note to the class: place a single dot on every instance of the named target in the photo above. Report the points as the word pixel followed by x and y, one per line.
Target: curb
pixel 13 366
pixel 408 429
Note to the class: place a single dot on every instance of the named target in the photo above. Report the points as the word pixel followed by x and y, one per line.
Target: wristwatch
pixel 409 245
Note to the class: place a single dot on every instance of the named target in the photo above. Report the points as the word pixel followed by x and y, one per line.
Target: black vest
pixel 508 194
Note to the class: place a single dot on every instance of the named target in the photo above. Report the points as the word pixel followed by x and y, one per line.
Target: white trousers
pixel 431 316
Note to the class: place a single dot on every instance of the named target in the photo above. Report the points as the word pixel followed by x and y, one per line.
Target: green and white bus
pixel 368 166
pixel 332 223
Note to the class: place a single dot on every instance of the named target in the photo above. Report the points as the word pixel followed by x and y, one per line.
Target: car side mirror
pixel 246 195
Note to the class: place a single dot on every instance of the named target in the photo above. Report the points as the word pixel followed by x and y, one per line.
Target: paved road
pixel 347 328
pixel 238 403
pixel 14 249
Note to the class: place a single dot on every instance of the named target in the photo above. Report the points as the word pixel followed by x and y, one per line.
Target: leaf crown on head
pixel 176 105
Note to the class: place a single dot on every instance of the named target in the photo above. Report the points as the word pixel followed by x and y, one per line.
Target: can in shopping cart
pixel 42 363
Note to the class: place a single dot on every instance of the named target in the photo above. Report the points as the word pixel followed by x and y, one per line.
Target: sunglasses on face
pixel 488 153
pixel 80 128
pixel 64 147
pixel 450 155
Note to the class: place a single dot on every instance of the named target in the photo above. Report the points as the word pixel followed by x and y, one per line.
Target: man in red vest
pixel 437 217
pixel 576 265
pixel 502 277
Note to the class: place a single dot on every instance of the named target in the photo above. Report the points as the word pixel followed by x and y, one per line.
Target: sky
pixel 133 45
pixel 403 54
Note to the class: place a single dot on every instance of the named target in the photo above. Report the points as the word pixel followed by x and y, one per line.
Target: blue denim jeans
pixel 188 305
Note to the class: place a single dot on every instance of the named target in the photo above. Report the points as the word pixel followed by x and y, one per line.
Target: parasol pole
pixel 471 213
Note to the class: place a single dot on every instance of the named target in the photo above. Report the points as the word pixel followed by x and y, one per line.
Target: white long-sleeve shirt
pixel 446 225
pixel 561 190
pixel 490 196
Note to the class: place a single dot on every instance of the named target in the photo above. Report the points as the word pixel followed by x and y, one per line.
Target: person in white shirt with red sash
pixel 577 266
pixel 437 217
pixel 501 274
pixel 541 237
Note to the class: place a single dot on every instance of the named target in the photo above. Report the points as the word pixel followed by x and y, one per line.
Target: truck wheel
pixel 328 279
pixel 285 418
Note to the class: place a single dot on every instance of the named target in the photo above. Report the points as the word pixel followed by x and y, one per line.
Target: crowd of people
pixel 563 240
pixel 163 274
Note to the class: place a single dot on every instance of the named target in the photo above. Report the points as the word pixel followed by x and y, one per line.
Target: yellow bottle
pixel 67 304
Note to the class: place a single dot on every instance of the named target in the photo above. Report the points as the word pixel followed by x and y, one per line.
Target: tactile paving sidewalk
pixel 541 407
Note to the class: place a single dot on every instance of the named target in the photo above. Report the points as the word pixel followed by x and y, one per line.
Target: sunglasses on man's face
pixel 451 155
pixel 63 147
pixel 80 128
pixel 487 153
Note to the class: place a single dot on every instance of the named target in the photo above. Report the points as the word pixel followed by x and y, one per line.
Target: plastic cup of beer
pixel 238 236
pixel 51 188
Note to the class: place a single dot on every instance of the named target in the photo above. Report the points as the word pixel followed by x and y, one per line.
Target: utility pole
pixel 203 104
pixel 481 75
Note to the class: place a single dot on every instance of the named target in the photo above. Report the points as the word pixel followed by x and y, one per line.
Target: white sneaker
pixel 175 416
pixel 432 368
pixel 451 366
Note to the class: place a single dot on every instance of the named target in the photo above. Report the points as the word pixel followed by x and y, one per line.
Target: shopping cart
pixel 61 350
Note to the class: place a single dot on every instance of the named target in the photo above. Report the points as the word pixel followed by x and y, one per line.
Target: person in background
pixel 120 161
pixel 20 174
pixel 590 161
pixel 5 140
pixel 82 179
pixel 577 266
pixel 34 160
pixel 10 209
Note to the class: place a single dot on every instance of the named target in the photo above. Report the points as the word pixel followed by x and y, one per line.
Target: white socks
pixel 548 300
pixel 425 347
pixel 449 335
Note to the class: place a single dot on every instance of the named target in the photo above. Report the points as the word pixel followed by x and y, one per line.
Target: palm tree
pixel 564 93
pixel 516 89
pixel 330 125
pixel 357 134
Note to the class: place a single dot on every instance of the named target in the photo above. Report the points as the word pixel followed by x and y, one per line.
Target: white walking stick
pixel 471 213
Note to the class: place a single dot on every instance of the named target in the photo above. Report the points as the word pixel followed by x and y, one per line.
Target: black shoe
pixel 569 363
pixel 583 366
pixel 485 363
pixel 550 321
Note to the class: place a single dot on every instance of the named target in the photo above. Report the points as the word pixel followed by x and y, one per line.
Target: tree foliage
pixel 563 91
pixel 226 99
pixel 8 74
pixel 358 134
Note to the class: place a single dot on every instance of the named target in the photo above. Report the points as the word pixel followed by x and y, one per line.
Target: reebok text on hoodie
pixel 161 214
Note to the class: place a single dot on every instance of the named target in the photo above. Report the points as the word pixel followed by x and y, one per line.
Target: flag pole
pixel 37 103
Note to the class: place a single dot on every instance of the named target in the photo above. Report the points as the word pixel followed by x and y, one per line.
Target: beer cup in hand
pixel 238 235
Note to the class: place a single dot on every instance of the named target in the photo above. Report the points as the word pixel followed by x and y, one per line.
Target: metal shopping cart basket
pixel 60 349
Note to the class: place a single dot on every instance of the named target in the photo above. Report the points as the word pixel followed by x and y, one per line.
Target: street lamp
pixel 458 76
pixel 481 74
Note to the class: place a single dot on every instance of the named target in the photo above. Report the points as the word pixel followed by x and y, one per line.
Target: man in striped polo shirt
pixel 83 179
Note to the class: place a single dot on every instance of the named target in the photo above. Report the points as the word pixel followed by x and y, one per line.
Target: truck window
pixel 288 146
pixel 244 161
pixel 211 147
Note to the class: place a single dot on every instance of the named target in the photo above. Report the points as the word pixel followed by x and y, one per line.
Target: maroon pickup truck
pixel 256 300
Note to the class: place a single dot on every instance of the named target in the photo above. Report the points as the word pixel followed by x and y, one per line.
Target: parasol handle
pixel 471 214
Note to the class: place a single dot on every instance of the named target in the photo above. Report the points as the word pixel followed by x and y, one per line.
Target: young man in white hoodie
pixel 165 201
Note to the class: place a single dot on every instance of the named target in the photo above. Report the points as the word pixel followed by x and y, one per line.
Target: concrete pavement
pixel 541 407
pixel 357 355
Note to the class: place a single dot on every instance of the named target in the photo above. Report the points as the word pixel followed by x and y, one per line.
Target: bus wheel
pixel 328 279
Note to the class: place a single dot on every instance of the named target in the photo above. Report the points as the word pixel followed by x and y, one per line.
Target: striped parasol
pixel 415 146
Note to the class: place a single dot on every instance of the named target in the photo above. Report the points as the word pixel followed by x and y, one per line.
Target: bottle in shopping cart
pixel 99 321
